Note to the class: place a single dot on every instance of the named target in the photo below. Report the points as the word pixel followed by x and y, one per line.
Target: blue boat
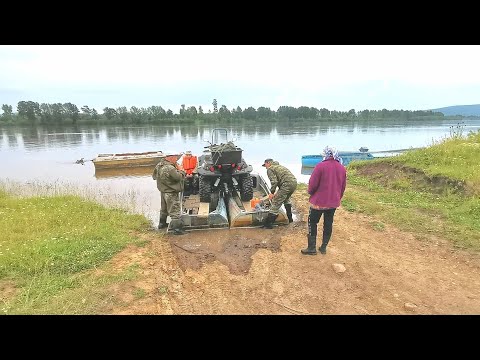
pixel 310 161
pixel 346 156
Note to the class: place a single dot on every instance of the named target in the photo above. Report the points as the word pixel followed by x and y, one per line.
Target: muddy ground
pixel 260 271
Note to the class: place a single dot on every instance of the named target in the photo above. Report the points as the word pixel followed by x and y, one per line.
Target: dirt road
pixel 259 271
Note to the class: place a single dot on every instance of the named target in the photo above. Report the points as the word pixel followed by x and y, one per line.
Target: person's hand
pixel 189 175
pixel 270 196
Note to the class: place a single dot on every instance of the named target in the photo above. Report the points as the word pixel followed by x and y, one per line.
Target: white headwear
pixel 331 152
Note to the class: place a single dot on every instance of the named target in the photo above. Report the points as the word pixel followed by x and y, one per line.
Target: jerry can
pixel 254 202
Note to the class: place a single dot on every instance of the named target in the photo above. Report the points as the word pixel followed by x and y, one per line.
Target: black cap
pixel 267 160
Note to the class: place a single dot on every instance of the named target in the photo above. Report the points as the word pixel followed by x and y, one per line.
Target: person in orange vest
pixel 190 166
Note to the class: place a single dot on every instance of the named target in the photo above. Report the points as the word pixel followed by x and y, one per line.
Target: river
pixel 44 157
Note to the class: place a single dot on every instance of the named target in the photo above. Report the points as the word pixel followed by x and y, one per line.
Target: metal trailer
pixel 229 211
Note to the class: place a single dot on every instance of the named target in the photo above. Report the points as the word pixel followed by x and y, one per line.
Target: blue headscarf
pixel 331 152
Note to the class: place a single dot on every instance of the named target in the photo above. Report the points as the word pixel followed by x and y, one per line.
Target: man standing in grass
pixel 170 182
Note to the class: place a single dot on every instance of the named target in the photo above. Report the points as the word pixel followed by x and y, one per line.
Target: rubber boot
pixel 179 231
pixel 288 208
pixel 162 224
pixel 310 250
pixel 323 248
pixel 177 227
pixel 268 223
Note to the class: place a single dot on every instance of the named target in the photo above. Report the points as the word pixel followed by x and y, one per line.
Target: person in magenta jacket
pixel 326 187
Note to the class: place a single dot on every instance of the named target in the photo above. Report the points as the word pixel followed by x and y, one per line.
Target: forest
pixel 33 113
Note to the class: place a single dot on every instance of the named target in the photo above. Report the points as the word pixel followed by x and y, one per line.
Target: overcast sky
pixel 336 77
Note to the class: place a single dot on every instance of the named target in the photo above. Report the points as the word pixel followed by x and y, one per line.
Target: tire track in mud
pixel 167 275
pixel 206 270
pixel 182 291
pixel 216 269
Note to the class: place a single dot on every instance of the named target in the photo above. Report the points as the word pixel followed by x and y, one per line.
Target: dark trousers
pixel 314 217
pixel 191 185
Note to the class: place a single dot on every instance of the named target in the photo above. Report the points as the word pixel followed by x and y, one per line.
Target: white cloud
pixel 276 74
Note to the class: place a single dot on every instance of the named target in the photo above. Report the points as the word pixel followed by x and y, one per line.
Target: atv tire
pixel 246 188
pixel 204 189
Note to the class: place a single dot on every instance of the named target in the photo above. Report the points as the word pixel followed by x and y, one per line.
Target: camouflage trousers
pixel 170 205
pixel 282 196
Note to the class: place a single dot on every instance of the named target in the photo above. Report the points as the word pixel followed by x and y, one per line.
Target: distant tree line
pixel 30 112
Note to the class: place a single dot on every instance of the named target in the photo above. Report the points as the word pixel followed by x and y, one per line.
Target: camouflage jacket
pixel 280 176
pixel 169 178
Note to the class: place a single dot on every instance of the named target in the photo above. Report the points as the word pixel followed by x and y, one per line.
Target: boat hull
pixel 126 160
pixel 309 161
pixel 111 172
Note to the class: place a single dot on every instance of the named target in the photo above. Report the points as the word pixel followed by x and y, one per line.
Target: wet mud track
pixel 232 247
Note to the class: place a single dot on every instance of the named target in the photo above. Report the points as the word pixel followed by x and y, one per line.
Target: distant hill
pixel 463 110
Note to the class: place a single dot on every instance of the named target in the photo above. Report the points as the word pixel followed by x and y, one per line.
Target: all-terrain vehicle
pixel 222 170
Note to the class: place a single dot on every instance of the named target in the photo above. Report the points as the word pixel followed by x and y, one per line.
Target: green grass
pixel 453 217
pixel 88 294
pixel 139 293
pixel 302 187
pixel 48 242
pixel 378 226
pixel 457 157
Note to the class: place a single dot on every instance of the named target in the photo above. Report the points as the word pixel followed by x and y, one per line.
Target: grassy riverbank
pixel 432 192
pixel 54 250
pixel 49 244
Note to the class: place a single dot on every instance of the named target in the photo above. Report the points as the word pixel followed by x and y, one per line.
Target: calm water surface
pixel 45 155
